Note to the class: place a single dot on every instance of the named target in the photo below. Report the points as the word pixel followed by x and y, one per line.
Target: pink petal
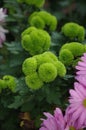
pixel 80 88
pixel 73 93
pixel 82 119
pixel 83 72
pixel 77 114
pixel 80 63
pixel 80 68
pixel 81 79
pixel 83 59
pixel 77 88
pixel 48 115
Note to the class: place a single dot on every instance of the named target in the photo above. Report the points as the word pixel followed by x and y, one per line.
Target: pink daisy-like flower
pixel 70 124
pixel 55 122
pixel 81 79
pixel 81 71
pixel 2 15
pixel 2 35
pixel 76 111
pixel 2 30
pixel 81 67
pixel 58 121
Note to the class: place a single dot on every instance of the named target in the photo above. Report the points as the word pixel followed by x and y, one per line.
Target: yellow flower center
pixel 84 102
pixel 72 128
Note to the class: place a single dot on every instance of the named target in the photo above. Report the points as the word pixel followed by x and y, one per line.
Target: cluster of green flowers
pixel 8 81
pixel 74 31
pixel 42 68
pixel 37 3
pixel 43 19
pixel 35 41
pixel 70 52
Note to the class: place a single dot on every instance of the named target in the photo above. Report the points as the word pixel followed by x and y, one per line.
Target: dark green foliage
pixel 12 56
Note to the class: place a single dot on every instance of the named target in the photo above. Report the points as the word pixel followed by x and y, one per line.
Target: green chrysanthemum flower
pixel 51 55
pixel 27 43
pixel 76 48
pixel 61 69
pixel 65 46
pixel 54 23
pixel 46 57
pixel 73 30
pixel 81 33
pixel 42 68
pixel 2 85
pixel 47 72
pixel 33 81
pixel 66 56
pixel 70 29
pixel 10 82
pixel 42 59
pixel 37 22
pixel 39 3
pixel 70 51
pixel 28 31
pixel 42 19
pixel 29 66
pixel 35 41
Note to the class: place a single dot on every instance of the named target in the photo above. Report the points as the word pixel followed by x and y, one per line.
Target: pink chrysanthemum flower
pixel 2 35
pixel 2 30
pixel 81 79
pixel 81 70
pixel 55 122
pixel 81 67
pixel 58 121
pixel 76 111
pixel 70 124
pixel 2 15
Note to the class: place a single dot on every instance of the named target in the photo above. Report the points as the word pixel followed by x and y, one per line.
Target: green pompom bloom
pixel 37 22
pixel 65 46
pixel 66 56
pixel 10 82
pixel 73 30
pixel 28 31
pixel 76 48
pixel 39 3
pixel 42 19
pixel 47 72
pixel 42 68
pixel 46 57
pixel 42 59
pixel 53 24
pixel 35 41
pixel 61 69
pixel 33 81
pixel 81 33
pixel 2 85
pixel 29 66
pixel 70 51
pixel 70 29
pixel 27 43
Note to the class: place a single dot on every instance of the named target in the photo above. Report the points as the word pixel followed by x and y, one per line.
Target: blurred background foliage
pixel 23 109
